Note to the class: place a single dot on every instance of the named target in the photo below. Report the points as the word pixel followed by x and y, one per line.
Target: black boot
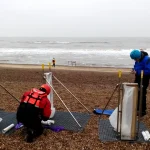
pixel 30 136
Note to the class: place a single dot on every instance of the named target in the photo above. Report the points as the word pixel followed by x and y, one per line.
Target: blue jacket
pixel 143 64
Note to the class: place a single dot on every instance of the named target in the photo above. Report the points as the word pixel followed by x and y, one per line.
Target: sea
pixel 87 51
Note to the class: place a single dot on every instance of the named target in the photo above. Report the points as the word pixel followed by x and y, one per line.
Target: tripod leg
pixel 108 101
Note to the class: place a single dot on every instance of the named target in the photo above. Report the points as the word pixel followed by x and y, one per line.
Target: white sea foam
pixel 103 52
pixel 85 57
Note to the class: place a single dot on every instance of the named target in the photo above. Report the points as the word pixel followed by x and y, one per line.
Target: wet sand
pixel 79 68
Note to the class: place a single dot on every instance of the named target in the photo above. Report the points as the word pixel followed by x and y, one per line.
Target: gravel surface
pixel 93 89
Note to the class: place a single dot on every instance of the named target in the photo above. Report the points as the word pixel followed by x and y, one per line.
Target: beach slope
pixel 93 88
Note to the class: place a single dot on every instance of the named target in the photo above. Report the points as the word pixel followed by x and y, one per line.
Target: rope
pixel 71 93
pixel 63 102
pixel 9 93
pixel 108 101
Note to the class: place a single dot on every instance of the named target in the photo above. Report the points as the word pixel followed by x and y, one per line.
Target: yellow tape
pixel 119 73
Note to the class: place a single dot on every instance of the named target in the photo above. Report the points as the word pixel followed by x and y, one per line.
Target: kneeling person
pixel 34 107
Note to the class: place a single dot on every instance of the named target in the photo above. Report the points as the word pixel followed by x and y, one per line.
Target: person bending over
pixel 142 62
pixel 34 107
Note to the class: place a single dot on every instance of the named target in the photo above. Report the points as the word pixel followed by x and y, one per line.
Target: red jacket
pixel 44 104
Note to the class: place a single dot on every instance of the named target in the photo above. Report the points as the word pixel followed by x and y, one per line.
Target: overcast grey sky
pixel 75 18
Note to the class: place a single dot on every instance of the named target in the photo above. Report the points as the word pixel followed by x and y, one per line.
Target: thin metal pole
pixel 109 100
pixel 9 93
pixel 63 103
pixel 71 93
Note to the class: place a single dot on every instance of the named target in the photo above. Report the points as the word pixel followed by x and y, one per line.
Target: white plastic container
pixel 8 128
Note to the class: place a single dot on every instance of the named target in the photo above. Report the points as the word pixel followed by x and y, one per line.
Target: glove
pixel 48 122
pixel 18 126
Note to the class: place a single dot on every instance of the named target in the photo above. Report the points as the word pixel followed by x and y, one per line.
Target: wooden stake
pixel 119 111
pixel 43 68
pixel 140 101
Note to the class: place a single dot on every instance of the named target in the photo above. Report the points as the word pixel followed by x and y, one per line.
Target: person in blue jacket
pixel 142 62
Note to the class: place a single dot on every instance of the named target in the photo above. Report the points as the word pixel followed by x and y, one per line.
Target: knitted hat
pixel 135 54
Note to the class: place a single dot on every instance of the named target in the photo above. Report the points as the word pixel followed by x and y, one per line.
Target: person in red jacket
pixel 34 107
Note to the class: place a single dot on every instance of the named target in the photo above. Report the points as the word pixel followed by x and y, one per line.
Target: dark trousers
pixel 35 126
pixel 53 65
pixel 145 86
pixel 30 119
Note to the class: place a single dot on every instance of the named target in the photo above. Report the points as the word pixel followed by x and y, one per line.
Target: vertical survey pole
pixel 43 68
pixel 119 107
pixel 140 100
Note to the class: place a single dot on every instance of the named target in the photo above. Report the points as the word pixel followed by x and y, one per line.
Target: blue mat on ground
pixel 106 112
pixel 62 119
pixel 107 134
